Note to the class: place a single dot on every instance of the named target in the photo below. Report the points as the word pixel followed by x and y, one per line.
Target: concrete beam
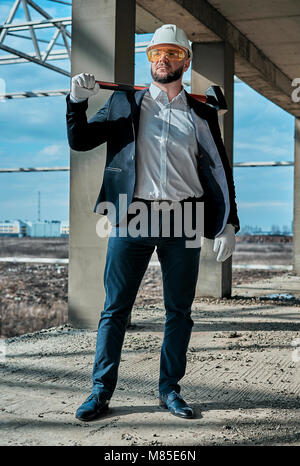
pixel 103 43
pixel 203 23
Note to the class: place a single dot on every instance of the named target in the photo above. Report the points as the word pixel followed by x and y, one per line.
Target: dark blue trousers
pixel 126 262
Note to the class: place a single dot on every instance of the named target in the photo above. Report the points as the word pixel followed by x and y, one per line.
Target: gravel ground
pixel 242 378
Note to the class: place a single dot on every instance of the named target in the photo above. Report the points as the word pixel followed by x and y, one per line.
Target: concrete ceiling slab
pixel 170 12
pixel 255 9
pixel 265 37
pixel 145 21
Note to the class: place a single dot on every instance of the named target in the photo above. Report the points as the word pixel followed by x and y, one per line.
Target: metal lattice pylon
pixel 10 28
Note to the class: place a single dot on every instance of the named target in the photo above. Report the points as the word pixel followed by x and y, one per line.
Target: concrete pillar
pixel 213 63
pixel 296 220
pixel 102 43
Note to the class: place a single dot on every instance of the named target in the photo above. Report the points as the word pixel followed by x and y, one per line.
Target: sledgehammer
pixel 213 95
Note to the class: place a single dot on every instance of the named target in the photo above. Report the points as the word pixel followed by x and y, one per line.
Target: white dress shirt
pixel 166 165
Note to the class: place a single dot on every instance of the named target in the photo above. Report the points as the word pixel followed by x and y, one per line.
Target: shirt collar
pixel 158 94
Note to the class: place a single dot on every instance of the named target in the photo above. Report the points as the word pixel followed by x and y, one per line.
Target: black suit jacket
pixel 117 123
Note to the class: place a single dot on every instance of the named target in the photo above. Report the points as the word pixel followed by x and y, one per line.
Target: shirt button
pixel 133 157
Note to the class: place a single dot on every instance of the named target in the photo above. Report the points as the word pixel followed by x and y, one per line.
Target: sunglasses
pixel 173 54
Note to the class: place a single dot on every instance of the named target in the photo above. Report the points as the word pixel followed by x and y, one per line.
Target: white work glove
pixel 83 86
pixel 224 244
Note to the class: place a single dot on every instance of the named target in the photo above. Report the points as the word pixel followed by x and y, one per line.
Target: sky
pixel 33 134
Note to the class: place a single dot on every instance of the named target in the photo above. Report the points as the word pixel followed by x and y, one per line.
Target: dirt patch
pixel 34 247
pixel 34 296
pixel 241 380
pixel 242 377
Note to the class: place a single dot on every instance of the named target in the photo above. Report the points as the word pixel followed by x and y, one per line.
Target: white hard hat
pixel 170 34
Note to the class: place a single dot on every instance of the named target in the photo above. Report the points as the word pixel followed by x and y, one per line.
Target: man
pixel 162 145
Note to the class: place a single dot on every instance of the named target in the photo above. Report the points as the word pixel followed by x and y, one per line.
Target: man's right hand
pixel 83 86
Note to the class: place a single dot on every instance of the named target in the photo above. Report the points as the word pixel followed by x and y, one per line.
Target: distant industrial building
pixel 13 228
pixel 8 228
pixel 45 228
pixel 64 229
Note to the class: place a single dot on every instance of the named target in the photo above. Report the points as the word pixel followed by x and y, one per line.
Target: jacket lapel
pixel 199 107
pixel 136 103
pixel 201 119
pixel 212 172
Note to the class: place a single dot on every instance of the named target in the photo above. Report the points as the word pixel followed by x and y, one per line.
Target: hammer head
pixel 216 98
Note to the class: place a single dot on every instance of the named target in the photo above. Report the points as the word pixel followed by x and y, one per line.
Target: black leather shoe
pixel 93 407
pixel 174 402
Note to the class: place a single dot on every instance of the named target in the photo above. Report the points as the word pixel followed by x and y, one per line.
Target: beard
pixel 169 77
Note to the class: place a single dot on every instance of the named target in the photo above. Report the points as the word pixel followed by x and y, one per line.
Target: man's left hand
pixel 224 244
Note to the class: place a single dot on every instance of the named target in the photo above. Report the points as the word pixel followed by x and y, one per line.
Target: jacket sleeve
pixel 85 135
pixel 233 215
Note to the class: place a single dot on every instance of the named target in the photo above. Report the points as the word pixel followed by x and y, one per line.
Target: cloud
pixel 4 10
pixel 264 146
pixel 53 152
pixel 263 204
pixel 262 131
pixel 53 149
pixel 28 126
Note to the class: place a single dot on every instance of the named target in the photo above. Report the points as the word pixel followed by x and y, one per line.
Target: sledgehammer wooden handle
pixel 214 95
